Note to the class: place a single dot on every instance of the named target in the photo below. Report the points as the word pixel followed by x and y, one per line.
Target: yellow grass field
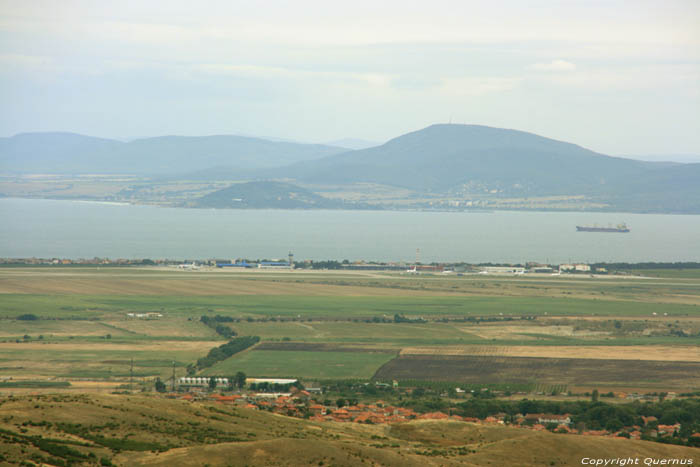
pixel 631 352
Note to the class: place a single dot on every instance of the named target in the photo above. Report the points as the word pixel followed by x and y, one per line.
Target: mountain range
pixel 70 153
pixel 449 159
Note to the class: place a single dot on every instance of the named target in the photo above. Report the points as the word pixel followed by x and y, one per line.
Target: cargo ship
pixel 621 228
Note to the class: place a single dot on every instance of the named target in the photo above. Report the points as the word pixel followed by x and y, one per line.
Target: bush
pixel 160 385
pixel 27 317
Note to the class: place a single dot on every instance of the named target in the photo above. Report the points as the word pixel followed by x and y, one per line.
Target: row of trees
pixel 222 352
pixel 214 322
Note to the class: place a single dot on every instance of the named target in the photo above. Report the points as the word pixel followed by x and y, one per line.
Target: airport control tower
pixel 291 260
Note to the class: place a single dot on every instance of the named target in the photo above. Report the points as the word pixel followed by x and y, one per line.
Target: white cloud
pixel 372 79
pixel 554 66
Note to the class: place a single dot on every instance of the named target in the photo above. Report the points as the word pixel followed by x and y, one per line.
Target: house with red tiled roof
pixel 377 418
pixel 340 415
pixel 668 429
pixel 649 419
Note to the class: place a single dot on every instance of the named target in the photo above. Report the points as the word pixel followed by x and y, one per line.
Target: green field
pixel 294 364
pixel 82 307
pixel 82 329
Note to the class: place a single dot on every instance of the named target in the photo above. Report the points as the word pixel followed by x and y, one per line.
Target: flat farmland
pixel 551 371
pixel 78 306
pixel 303 364
pixel 344 331
pixel 96 359
pixel 327 324
pixel 651 286
pixel 686 353
pixel 118 328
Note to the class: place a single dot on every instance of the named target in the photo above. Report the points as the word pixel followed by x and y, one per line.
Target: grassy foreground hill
pixel 132 430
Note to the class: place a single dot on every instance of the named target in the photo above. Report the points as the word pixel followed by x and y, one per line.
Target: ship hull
pixel 600 229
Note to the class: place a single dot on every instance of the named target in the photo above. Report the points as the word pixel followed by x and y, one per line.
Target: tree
pixel 613 425
pixel 212 384
pixel 340 402
pixel 240 379
pixel 160 386
pixel 594 395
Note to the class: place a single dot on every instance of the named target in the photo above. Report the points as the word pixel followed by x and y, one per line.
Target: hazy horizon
pixel 610 76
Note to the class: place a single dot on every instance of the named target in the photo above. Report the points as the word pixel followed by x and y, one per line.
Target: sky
pixel 617 77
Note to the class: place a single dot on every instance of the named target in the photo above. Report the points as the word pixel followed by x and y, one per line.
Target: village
pixel 307 403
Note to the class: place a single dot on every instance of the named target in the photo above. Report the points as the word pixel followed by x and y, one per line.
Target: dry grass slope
pixel 201 433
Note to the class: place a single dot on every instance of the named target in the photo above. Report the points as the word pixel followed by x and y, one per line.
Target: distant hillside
pixel 443 157
pixel 72 153
pixel 676 158
pixel 353 143
pixel 472 159
pixel 460 162
pixel 264 195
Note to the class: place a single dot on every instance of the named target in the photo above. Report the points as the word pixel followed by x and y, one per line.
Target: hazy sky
pixel 614 76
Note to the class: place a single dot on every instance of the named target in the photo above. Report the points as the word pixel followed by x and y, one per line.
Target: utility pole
pixel 173 385
pixel 131 376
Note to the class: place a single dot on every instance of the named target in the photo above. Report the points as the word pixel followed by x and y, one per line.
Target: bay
pixel 79 229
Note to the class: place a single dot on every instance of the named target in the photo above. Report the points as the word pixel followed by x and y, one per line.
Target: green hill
pixel 478 159
pixel 261 195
